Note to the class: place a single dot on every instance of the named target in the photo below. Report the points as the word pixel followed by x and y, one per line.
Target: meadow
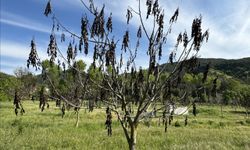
pixel 48 130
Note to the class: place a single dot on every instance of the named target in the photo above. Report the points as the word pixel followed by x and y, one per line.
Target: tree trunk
pixel 77 118
pixel 133 136
pixel 246 113
pixel 221 110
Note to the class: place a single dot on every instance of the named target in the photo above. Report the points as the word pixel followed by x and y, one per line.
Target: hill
pixel 237 68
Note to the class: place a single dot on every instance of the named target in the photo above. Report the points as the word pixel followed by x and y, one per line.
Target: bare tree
pixel 123 83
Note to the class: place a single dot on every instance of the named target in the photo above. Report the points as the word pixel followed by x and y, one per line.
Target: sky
pixel 22 20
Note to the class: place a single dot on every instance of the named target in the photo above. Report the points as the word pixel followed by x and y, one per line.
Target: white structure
pixel 178 110
pixel 181 111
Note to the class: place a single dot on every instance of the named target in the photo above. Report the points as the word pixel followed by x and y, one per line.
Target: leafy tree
pixel 245 98
pixel 8 84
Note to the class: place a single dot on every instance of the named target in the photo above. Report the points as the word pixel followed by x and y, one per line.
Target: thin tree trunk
pixel 221 110
pixel 125 129
pixel 77 118
pixel 166 125
pixel 246 113
pixel 133 136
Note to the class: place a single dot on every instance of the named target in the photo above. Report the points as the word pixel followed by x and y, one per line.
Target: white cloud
pixel 229 35
pixel 18 50
pixel 228 21
pixel 19 21
pixel 14 55
pixel 229 32
pixel 23 25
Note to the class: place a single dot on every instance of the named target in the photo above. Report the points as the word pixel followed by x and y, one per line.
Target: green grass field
pixel 47 130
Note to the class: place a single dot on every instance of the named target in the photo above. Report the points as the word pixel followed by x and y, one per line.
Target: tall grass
pixel 47 130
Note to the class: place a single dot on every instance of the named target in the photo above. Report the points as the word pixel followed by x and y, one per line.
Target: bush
pixel 5 97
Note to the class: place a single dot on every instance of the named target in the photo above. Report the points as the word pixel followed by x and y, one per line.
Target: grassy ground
pixel 47 130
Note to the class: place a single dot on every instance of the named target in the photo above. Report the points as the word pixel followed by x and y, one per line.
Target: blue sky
pixel 21 20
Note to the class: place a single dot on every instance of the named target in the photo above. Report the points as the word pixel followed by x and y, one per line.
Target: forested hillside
pixel 232 80
pixel 237 68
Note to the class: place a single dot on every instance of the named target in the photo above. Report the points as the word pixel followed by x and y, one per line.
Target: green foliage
pixel 151 78
pixel 51 70
pixel 228 96
pixel 239 69
pixel 203 97
pixel 95 73
pixel 8 84
pixel 81 65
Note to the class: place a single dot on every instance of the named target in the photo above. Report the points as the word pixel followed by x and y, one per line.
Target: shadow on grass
pixel 238 112
pixel 49 114
pixel 33 124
